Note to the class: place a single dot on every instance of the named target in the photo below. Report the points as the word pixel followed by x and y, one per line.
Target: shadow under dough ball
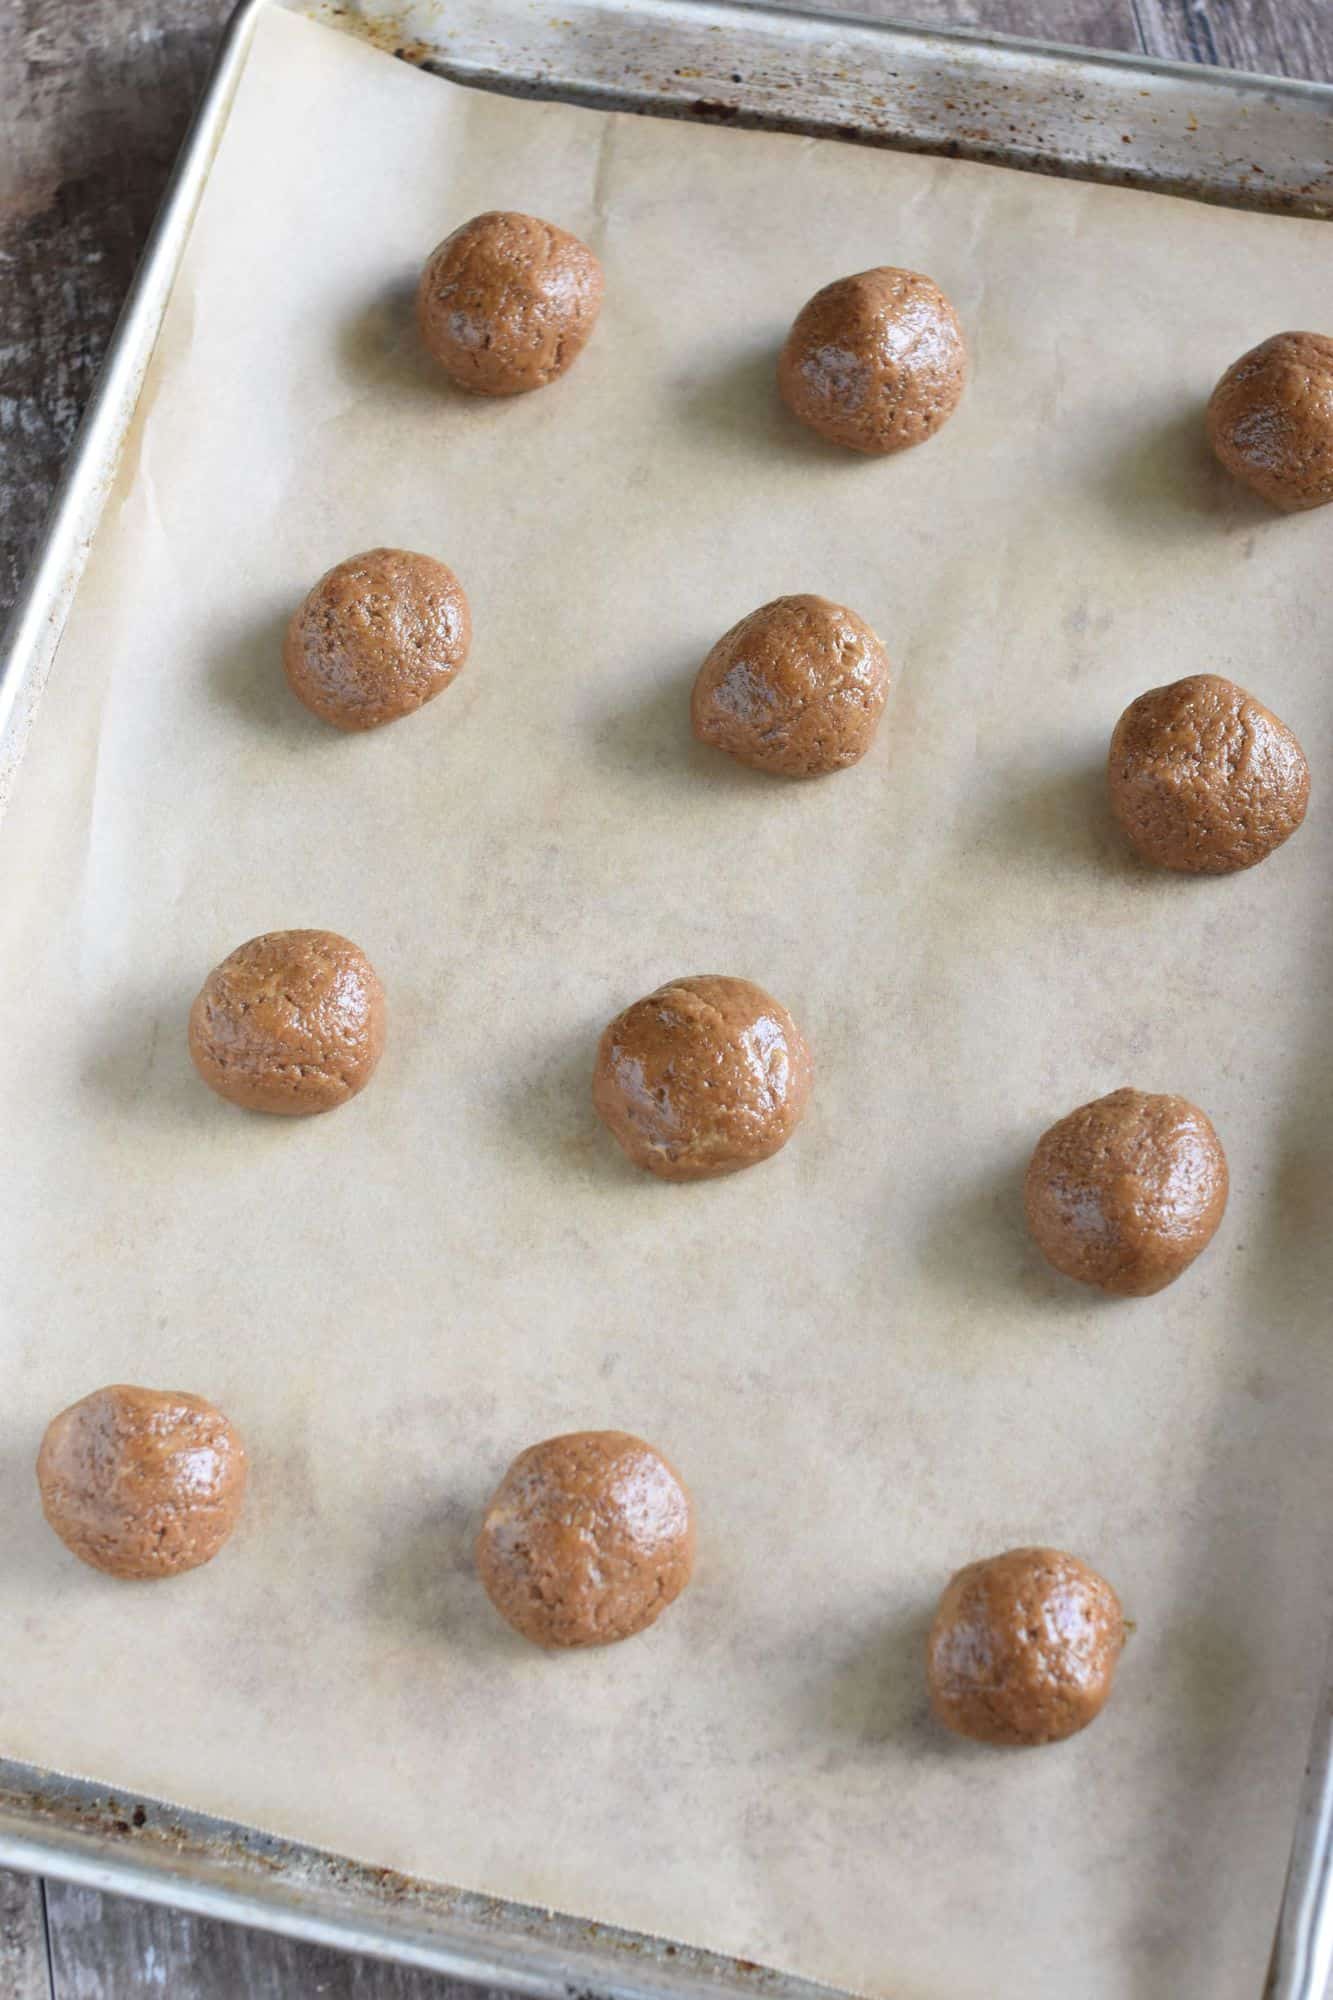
pixel 292 1023
pixel 1024 1648
pixel 1204 778
pixel 507 303
pixel 142 1482
pixel 796 688
pixel 1125 1192
pixel 876 362
pixel 1270 420
pixel 378 637
pixel 586 1540
pixel 703 1077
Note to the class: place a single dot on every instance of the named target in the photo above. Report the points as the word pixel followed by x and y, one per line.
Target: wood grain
pixel 1274 37
pixel 108 1948
pixel 1100 24
pixel 98 94
pixel 23 1969
pixel 97 101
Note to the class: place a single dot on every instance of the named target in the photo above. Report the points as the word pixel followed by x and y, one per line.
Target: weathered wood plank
pixel 97 101
pixel 1275 37
pixel 23 1967
pixel 1101 24
pixel 109 1948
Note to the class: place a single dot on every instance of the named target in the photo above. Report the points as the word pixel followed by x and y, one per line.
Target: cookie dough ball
pixel 1024 1647
pixel 876 362
pixel 1125 1192
pixel 142 1482
pixel 587 1539
pixel 1270 420
pixel 797 688
pixel 704 1077
pixel 292 1022
pixel 379 636
pixel 507 303
pixel 1204 778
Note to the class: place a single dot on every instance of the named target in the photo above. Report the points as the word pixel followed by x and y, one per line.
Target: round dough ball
pixel 379 636
pixel 142 1482
pixel 1204 778
pixel 876 362
pixel 1125 1192
pixel 1270 420
pixel 797 687
pixel 1024 1647
pixel 586 1540
pixel 507 303
pixel 292 1022
pixel 703 1077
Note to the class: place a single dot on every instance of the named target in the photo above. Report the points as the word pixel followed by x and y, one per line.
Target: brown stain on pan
pixel 1030 150
pixel 386 31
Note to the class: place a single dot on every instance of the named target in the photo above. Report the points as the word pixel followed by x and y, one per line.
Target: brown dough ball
pixel 797 687
pixel 379 636
pixel 703 1077
pixel 292 1022
pixel 142 1482
pixel 1204 778
pixel 876 362
pixel 1125 1192
pixel 1270 420
pixel 586 1540
pixel 1024 1647
pixel 507 303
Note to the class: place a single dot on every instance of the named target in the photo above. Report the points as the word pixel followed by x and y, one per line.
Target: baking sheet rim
pixel 32 641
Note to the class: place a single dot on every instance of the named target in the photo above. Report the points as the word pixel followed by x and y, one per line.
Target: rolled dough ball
pixel 142 1482
pixel 1204 778
pixel 1125 1192
pixel 703 1077
pixel 379 636
pixel 797 687
pixel 876 362
pixel 1270 420
pixel 507 303
pixel 1024 1648
pixel 586 1540
pixel 292 1022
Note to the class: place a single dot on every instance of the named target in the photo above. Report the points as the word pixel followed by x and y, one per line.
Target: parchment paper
pixel 852 1353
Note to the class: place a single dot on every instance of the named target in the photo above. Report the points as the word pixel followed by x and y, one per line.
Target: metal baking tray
pixel 1186 130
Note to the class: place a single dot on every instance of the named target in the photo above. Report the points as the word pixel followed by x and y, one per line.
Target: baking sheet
pixel 851 1352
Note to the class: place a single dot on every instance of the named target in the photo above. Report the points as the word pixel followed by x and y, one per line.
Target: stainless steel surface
pixel 1177 128
pixel 30 639
pixel 1165 126
pixel 1302 1962
pixel 131 1846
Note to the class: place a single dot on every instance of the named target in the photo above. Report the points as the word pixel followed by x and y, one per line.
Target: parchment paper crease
pixel 851 1352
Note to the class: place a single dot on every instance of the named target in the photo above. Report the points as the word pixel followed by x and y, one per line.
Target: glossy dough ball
pixel 142 1482
pixel 1024 1648
pixel 292 1022
pixel 378 637
pixel 1204 778
pixel 1270 420
pixel 507 303
pixel 1125 1192
pixel 703 1077
pixel 587 1540
pixel 796 688
pixel 876 362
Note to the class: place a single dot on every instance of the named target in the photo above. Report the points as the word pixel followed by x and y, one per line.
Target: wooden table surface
pixel 98 93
